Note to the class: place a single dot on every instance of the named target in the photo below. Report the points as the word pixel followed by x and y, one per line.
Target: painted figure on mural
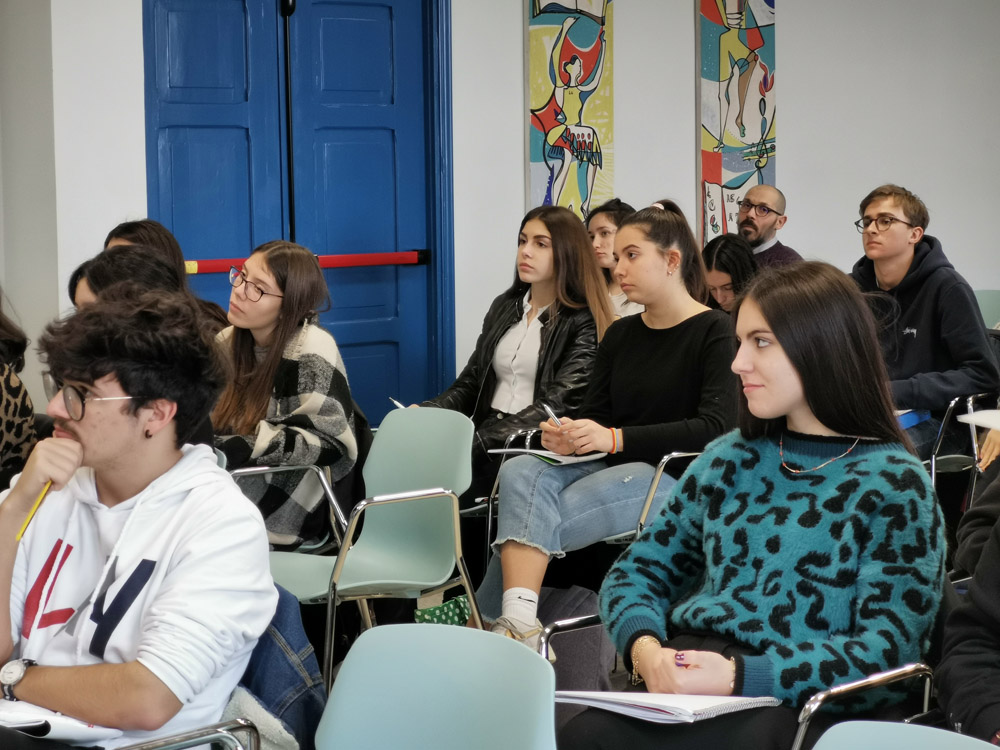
pixel 738 106
pixel 576 65
pixel 738 60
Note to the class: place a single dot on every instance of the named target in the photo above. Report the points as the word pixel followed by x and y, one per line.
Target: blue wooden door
pixel 360 166
pixel 218 162
pixel 213 140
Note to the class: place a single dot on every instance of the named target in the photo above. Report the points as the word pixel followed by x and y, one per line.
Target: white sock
pixel 521 606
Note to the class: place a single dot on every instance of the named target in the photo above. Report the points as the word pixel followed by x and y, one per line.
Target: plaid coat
pixel 310 420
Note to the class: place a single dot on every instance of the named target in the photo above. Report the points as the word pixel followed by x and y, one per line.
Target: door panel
pixel 213 144
pixel 359 116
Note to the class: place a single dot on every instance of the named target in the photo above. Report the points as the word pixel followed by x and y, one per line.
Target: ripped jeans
pixel 558 509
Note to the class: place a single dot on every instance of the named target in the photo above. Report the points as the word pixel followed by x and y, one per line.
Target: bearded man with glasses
pixel 762 214
pixel 932 334
pixel 135 570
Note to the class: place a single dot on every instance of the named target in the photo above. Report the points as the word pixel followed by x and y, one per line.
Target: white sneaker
pixel 531 638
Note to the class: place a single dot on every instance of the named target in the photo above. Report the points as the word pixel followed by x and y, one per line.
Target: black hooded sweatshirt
pixel 931 330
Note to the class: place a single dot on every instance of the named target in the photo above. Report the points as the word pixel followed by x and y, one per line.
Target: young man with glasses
pixel 933 337
pixel 139 586
pixel 762 214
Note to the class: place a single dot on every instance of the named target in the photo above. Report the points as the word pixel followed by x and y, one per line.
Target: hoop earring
pixel 148 434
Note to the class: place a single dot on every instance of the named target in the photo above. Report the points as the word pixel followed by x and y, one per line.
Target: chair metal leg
pixel 221 735
pixel 490 507
pixel 367 619
pixel 331 625
pixel 463 573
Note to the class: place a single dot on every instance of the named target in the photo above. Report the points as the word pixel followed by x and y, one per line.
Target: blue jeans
pixel 557 509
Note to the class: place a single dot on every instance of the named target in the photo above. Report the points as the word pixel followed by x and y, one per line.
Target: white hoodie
pixel 176 577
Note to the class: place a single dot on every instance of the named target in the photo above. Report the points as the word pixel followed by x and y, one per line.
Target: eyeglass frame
pixel 53 388
pixel 235 273
pixel 860 223
pixel 760 209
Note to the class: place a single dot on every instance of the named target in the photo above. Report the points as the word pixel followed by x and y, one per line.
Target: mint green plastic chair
pixel 411 544
pixel 878 735
pixel 410 687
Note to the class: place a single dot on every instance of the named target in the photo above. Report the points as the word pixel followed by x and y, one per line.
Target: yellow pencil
pixel 34 509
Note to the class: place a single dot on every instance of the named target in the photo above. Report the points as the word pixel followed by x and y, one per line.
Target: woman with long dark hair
pixel 729 269
pixel 602 225
pixel 661 383
pixel 538 341
pixel 17 414
pixel 803 550
pixel 288 402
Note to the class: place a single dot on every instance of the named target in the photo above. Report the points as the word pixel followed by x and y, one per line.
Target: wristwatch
pixel 11 674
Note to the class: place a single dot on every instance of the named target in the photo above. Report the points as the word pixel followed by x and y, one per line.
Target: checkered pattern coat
pixel 310 420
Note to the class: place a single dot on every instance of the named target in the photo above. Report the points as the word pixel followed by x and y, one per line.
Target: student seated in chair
pixel 141 584
pixel 801 551
pixel 288 402
pixel 661 384
pixel 932 331
pixel 131 270
pixel 538 341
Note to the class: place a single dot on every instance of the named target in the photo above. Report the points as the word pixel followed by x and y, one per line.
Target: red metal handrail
pixel 350 260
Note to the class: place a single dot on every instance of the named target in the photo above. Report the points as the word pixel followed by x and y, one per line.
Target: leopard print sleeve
pixel 18 436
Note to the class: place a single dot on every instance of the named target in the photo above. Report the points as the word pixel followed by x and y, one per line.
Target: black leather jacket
pixel 565 361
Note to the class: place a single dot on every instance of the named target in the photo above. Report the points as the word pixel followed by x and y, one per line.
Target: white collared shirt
pixel 765 245
pixel 515 362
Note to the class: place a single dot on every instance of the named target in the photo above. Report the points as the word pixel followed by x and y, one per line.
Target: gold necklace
pixel 786 467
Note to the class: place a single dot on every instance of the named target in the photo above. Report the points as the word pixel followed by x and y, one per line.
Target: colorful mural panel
pixel 570 103
pixel 737 106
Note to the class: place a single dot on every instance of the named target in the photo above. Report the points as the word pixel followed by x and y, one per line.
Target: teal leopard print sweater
pixel 829 575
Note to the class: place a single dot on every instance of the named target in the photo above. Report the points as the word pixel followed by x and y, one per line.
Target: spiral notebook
pixel 662 708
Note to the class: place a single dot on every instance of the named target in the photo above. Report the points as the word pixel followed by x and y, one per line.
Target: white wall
pixel 72 145
pixel 899 90
pixel 28 171
pixel 912 98
pixel 100 129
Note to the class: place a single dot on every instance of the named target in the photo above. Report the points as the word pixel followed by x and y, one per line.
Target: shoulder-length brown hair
pixel 297 273
pixel 578 280
pixel 826 329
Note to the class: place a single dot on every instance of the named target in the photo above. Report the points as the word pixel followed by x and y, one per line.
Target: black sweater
pixel 667 389
pixel 932 332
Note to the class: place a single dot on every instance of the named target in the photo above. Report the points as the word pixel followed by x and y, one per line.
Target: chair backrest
pixel 878 735
pixel 441 687
pixel 419 449
pixel 989 305
pixel 409 543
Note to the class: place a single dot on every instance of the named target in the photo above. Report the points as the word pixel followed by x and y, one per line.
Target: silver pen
pixel 552 415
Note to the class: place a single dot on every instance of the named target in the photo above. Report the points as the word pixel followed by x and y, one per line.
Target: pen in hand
pixel 397 404
pixel 34 509
pixel 552 415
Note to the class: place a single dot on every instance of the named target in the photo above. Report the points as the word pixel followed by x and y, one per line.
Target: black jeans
pixel 771 728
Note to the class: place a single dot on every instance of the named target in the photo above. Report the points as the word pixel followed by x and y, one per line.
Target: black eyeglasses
pixel 74 399
pixel 882 222
pixel 759 208
pixel 253 292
